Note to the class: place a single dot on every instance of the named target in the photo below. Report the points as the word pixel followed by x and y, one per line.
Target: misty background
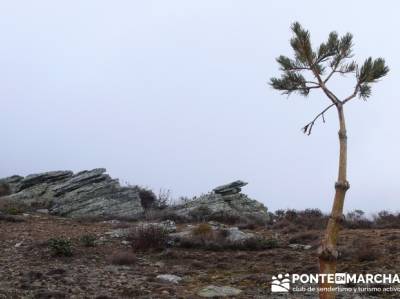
pixel 174 95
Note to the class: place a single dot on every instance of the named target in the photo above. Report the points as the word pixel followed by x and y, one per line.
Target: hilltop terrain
pixel 220 244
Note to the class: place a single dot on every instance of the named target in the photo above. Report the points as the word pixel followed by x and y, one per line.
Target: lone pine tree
pixel 312 69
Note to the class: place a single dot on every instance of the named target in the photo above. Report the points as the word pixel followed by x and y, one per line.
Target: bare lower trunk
pixel 328 251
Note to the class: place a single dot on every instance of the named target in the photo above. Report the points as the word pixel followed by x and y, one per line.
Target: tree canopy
pixel 331 57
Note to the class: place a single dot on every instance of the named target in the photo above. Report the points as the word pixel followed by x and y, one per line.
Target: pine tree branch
pixel 328 93
pixel 353 95
pixel 308 127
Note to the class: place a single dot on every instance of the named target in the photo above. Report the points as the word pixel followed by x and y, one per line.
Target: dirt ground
pixel 28 269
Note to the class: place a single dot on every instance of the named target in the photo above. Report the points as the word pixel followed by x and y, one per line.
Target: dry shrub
pixel 357 220
pixel 148 237
pixel 147 198
pixel 307 219
pixel 123 258
pixel 385 219
pixel 202 229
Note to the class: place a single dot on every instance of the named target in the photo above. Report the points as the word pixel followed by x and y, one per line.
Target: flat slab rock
pixel 213 291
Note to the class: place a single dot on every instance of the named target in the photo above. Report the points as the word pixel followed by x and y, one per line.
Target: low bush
pixel 148 237
pixel 258 243
pixel 60 246
pixel 12 207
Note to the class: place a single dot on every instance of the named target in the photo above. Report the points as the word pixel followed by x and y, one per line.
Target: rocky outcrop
pixel 214 206
pixel 86 193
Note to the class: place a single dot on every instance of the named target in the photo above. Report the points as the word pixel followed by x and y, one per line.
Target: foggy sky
pixel 174 95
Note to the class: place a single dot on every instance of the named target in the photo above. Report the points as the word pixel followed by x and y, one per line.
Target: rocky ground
pixel 30 270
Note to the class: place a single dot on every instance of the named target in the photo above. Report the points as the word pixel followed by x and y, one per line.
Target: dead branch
pixel 308 127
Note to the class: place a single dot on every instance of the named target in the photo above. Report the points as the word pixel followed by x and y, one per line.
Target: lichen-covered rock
pixel 86 193
pixel 231 235
pixel 216 206
pixel 11 182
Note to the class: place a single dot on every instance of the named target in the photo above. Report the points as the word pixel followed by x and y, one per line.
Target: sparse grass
pixel 164 214
pixel 123 258
pixel 204 237
pixel 365 250
pixel 304 237
pixel 11 218
pixel 88 240
pixel 4 190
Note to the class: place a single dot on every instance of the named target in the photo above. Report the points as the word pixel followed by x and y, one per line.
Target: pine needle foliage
pixel 330 57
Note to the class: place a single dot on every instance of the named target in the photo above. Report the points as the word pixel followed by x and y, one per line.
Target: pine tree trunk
pixel 328 250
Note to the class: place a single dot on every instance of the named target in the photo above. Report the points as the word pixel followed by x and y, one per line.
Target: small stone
pixel 19 244
pixel 42 211
pixel 169 278
pixel 300 246
pixel 112 221
pixel 212 291
pixel 118 233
